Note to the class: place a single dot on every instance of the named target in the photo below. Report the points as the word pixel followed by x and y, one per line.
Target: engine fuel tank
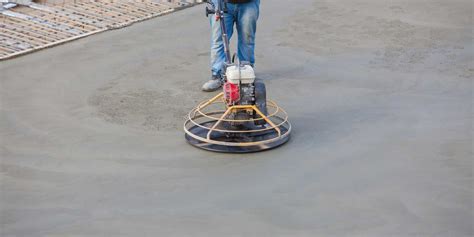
pixel 243 74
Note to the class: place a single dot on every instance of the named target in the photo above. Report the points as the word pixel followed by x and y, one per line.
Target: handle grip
pixel 210 11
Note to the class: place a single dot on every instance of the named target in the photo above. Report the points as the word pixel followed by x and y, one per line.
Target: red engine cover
pixel 231 93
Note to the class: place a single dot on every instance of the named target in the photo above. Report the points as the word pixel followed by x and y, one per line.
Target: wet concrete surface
pixel 379 94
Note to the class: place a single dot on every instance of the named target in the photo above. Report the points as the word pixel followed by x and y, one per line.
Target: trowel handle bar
pixel 219 11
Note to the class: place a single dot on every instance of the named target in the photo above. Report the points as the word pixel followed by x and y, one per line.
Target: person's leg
pixel 217 45
pixel 247 16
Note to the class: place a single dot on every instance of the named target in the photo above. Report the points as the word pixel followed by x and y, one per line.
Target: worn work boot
pixel 212 85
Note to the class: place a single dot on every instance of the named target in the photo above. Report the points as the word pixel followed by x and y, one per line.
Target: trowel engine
pixel 241 88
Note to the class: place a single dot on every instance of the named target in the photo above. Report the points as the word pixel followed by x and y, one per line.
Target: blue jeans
pixel 244 16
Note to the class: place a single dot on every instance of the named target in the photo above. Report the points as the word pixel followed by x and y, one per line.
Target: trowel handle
pixel 222 6
pixel 210 11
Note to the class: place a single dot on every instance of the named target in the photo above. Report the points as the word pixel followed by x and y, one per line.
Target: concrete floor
pixel 379 93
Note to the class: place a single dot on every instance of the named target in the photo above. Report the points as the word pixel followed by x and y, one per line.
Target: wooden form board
pixel 25 29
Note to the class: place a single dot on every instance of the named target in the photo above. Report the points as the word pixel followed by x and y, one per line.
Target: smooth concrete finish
pixel 379 93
